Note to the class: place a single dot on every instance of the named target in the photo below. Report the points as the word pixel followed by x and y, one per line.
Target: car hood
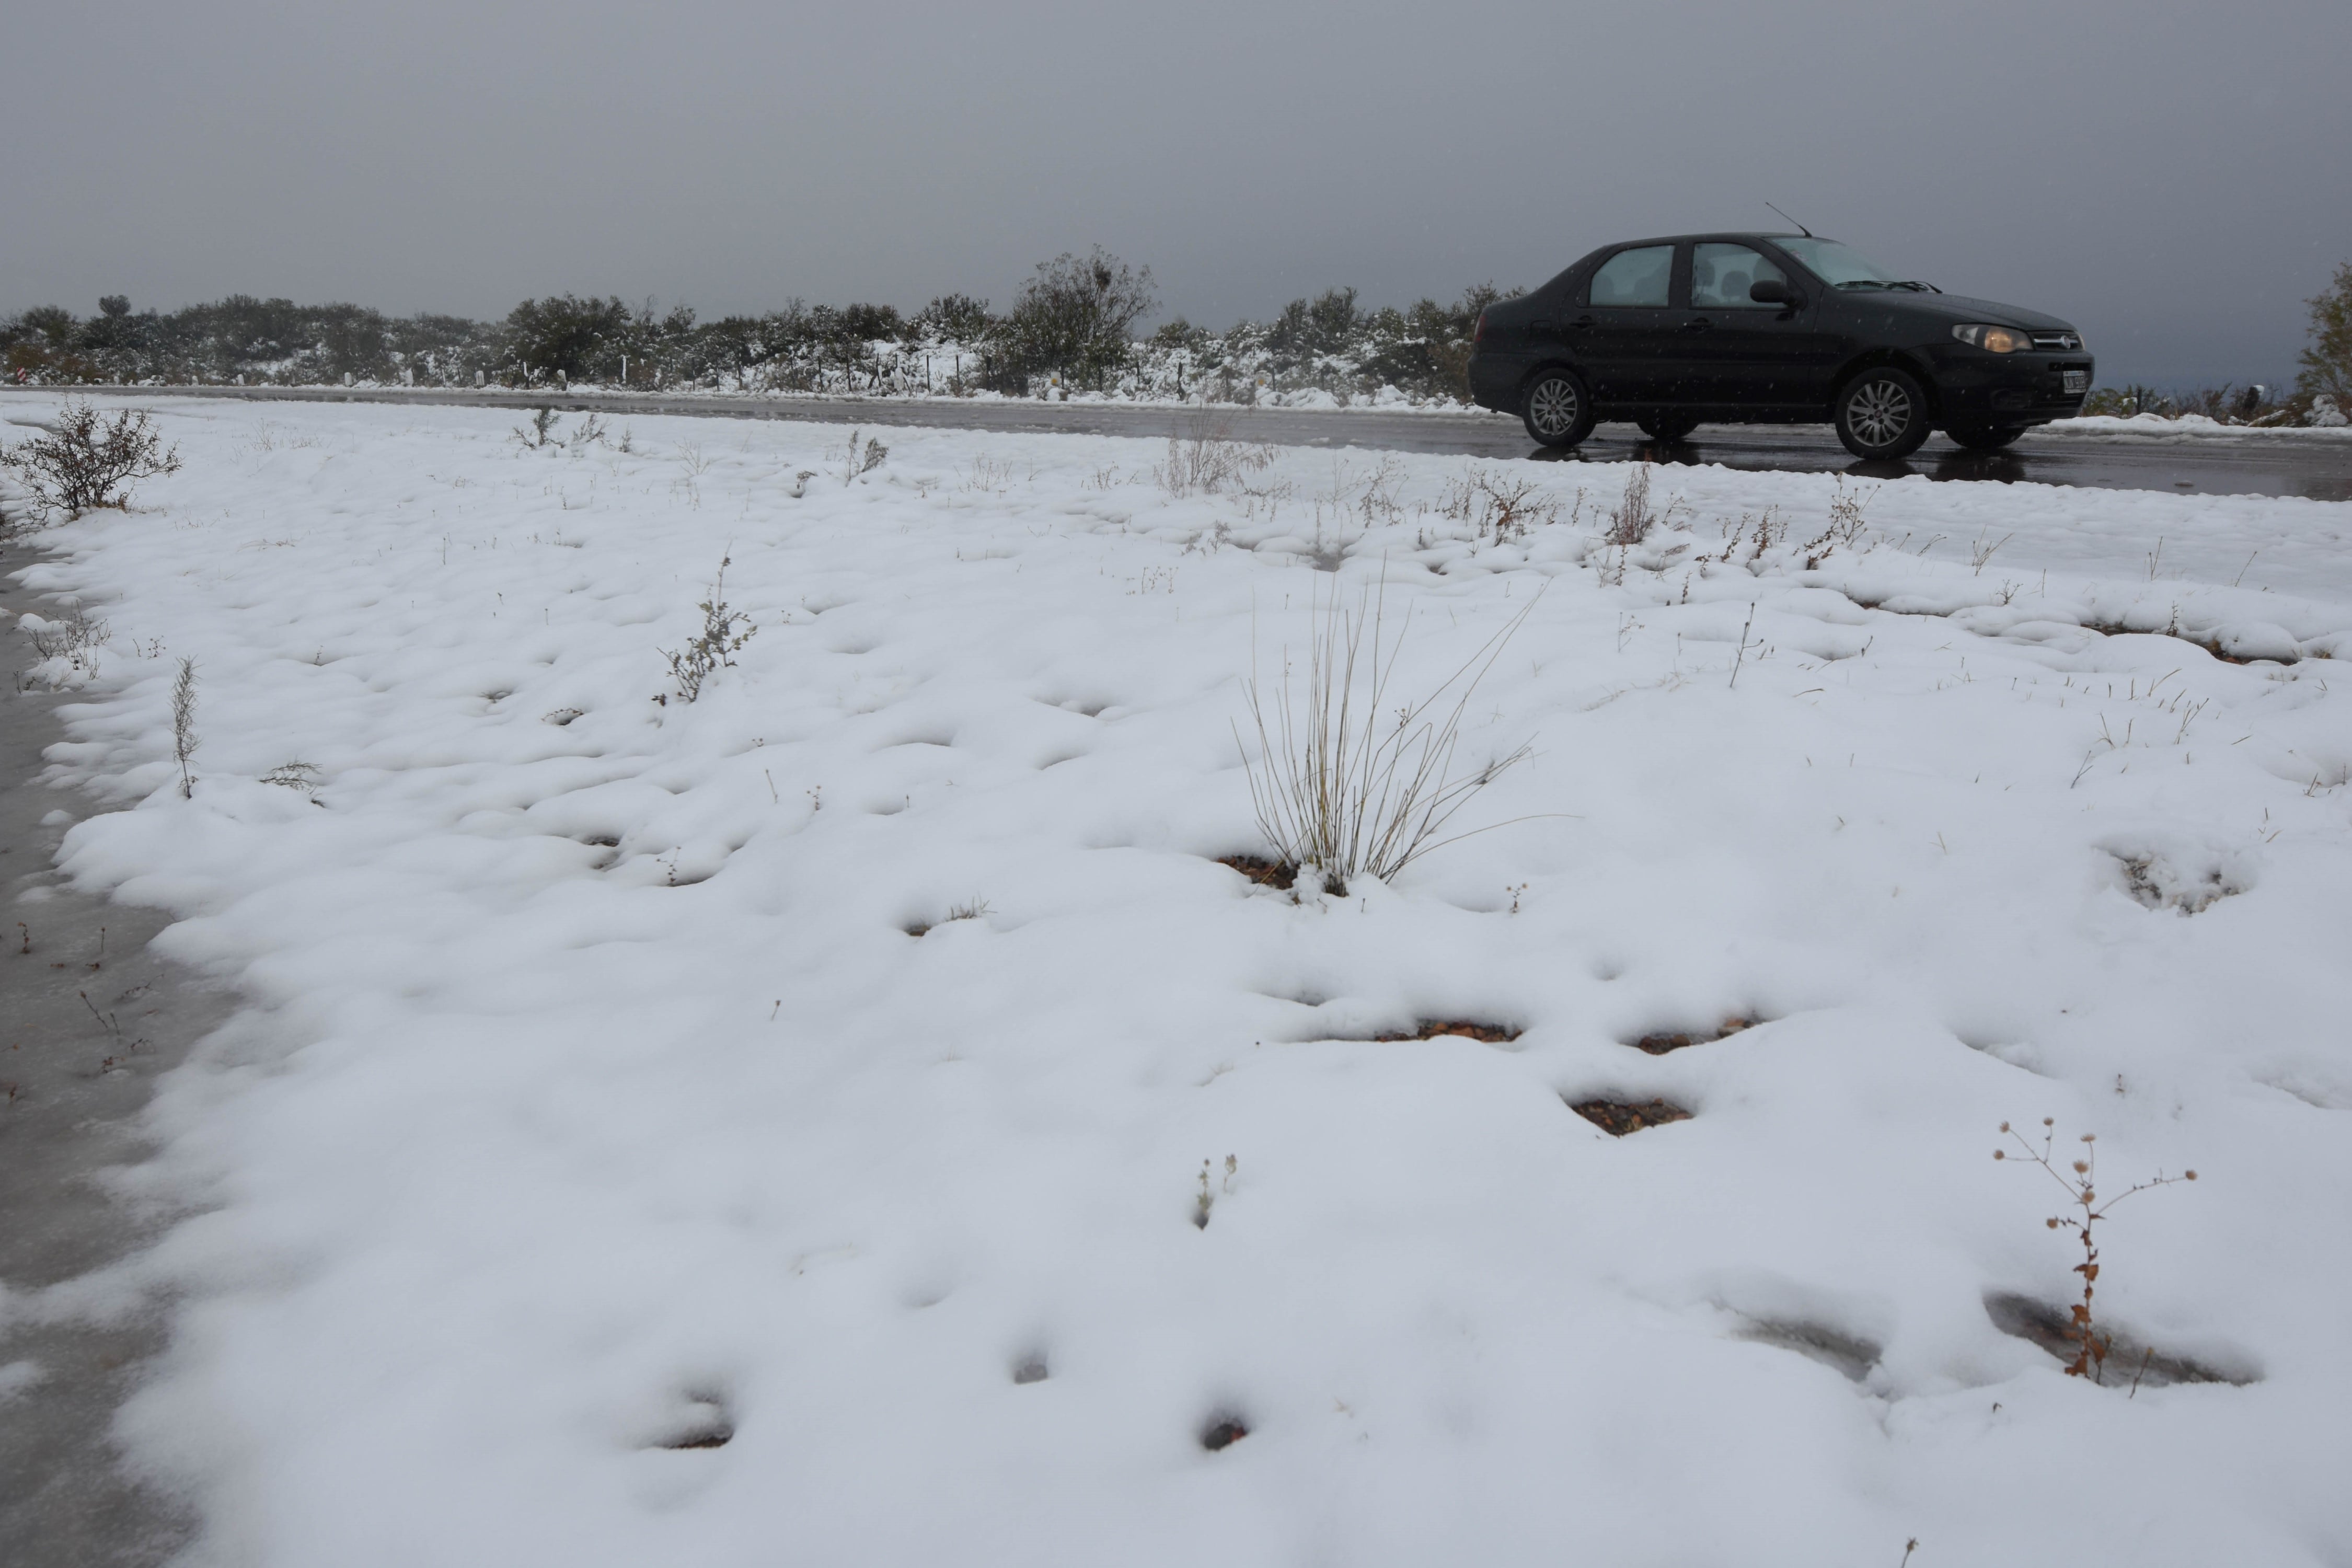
pixel 1960 308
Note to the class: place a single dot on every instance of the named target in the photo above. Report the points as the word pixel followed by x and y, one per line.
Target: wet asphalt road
pixel 2253 465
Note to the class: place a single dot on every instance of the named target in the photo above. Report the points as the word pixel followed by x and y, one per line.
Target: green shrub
pixel 2326 361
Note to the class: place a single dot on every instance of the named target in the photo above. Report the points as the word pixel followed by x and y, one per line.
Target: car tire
pixel 1985 437
pixel 1557 409
pixel 1882 414
pixel 1666 428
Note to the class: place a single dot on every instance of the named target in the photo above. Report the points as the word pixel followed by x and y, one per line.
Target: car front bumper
pixel 2012 389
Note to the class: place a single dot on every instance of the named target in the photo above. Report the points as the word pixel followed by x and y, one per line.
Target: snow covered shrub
pixel 1337 790
pixel 89 462
pixel 2326 361
pixel 2079 1181
pixel 1074 319
pixel 564 333
pixel 715 647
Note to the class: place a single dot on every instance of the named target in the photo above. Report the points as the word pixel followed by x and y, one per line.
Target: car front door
pixel 1732 352
pixel 1623 332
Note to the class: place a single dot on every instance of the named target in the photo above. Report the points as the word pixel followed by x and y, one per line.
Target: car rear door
pixel 1734 354
pixel 1622 334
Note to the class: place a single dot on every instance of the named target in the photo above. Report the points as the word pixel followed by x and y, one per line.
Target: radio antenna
pixel 1800 227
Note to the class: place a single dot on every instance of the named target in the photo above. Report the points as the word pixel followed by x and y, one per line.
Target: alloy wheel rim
pixel 1880 413
pixel 1553 407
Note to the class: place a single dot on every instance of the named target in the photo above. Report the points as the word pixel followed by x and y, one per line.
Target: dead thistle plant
pixel 716 646
pixel 1335 784
pixel 2079 1181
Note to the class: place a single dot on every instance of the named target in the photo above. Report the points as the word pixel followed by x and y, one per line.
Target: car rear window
pixel 1636 277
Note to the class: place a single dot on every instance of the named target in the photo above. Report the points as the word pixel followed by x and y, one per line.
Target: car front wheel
pixel 1557 412
pixel 1985 437
pixel 1882 414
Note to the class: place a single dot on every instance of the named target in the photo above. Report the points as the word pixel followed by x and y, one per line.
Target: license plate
pixel 2077 382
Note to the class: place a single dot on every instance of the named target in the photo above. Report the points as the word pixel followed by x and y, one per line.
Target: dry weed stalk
pixel 1844 528
pixel 1335 789
pixel 1764 534
pixel 862 460
pixel 2091 1346
pixel 1496 507
pixel 1206 459
pixel 1630 522
pixel 184 739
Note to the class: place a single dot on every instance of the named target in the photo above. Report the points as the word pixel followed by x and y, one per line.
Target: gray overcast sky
pixel 2173 175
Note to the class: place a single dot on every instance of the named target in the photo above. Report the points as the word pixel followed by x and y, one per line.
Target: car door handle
pixel 1581 322
pixel 1697 324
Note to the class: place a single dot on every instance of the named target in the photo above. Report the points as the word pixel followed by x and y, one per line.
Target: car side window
pixel 1634 277
pixel 1721 276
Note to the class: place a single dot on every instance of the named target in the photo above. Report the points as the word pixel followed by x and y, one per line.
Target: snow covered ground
pixel 2153 427
pixel 605 1171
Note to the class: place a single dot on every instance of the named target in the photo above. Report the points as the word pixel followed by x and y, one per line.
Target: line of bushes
pixel 1072 326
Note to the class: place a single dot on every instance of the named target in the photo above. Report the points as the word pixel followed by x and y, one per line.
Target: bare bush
pixel 75 640
pixel 87 461
pixel 1338 787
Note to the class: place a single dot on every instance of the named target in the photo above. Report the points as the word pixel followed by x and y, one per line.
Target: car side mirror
pixel 1771 291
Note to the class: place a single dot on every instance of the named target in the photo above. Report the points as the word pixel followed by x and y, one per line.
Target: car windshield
pixel 1840 267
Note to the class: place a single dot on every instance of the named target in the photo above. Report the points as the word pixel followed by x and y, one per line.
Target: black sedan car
pixel 1770 329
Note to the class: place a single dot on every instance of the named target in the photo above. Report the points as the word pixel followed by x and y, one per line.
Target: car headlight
pixel 1995 340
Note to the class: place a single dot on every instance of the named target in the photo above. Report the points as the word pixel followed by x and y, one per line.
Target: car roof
pixel 1703 238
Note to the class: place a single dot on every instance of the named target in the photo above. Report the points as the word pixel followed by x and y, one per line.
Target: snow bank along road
pixel 777 1127
pixel 2307 464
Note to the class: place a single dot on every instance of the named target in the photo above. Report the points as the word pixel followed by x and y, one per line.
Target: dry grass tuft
pixel 1338 788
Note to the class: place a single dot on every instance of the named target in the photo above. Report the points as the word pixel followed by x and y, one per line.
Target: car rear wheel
pixel 1985 437
pixel 1668 428
pixel 1557 412
pixel 1882 414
